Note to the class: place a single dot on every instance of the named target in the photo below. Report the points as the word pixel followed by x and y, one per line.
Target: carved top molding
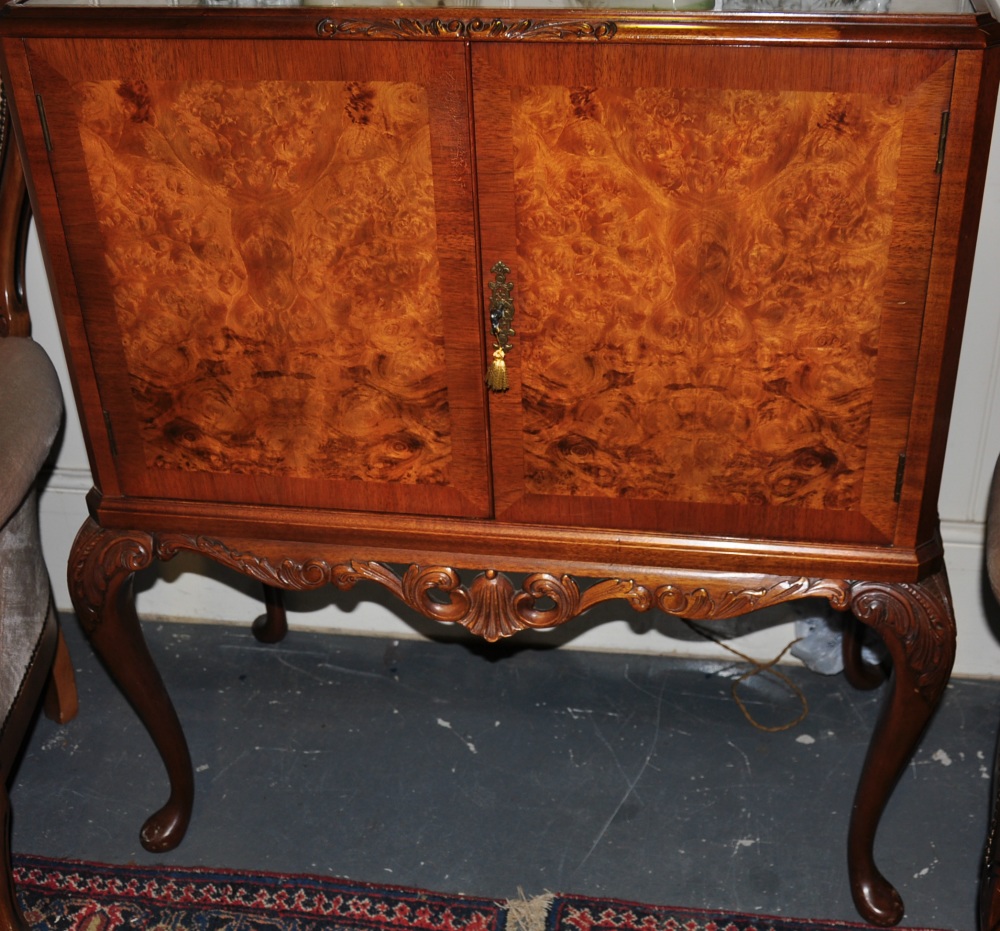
pixel 475 28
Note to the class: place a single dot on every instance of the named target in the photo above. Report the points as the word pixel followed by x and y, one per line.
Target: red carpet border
pixel 581 913
pixel 68 895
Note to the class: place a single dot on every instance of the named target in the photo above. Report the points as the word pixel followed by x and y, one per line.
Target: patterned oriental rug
pixel 67 895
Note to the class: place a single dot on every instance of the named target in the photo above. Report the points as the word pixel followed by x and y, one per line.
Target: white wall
pixel 188 588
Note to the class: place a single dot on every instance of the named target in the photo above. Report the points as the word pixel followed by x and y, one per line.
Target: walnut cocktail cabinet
pixel 590 305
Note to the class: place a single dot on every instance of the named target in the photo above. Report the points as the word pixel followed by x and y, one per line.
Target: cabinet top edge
pixel 922 23
pixel 884 10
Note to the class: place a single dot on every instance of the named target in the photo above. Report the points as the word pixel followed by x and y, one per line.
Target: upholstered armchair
pixel 30 413
pixel 29 419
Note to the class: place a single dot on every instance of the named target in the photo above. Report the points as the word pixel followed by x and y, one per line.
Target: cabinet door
pixel 273 247
pixel 720 259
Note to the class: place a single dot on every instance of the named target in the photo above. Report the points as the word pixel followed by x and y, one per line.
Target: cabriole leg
pixel 101 567
pixel 860 674
pixel 272 625
pixel 918 626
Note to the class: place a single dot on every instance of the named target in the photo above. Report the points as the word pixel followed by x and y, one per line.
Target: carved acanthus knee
pixel 100 562
pixel 916 622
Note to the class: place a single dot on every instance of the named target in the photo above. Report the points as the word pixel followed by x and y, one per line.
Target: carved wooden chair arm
pixel 15 215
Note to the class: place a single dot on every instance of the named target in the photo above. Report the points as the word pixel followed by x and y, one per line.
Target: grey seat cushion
pixel 30 414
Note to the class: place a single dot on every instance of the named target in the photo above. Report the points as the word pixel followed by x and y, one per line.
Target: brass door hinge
pixel 45 123
pixel 942 141
pixel 111 434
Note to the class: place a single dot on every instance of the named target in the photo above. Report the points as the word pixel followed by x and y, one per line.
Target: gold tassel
pixel 496 375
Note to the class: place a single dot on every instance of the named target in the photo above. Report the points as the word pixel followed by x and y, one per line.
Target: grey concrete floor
pixel 493 770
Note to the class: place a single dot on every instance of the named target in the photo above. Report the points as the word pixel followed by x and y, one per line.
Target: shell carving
pixel 491 612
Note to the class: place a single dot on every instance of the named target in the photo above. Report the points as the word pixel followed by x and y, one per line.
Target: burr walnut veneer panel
pixel 722 263
pixel 283 261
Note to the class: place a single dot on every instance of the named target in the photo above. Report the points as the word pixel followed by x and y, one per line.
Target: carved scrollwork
pixel 305 575
pixel 346 575
pixel 396 29
pixel 721 599
pixel 402 28
pixel 919 618
pixel 420 582
pixel 490 606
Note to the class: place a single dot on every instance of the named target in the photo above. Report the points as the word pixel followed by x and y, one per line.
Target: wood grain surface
pixel 701 277
pixel 253 232
pixel 738 298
